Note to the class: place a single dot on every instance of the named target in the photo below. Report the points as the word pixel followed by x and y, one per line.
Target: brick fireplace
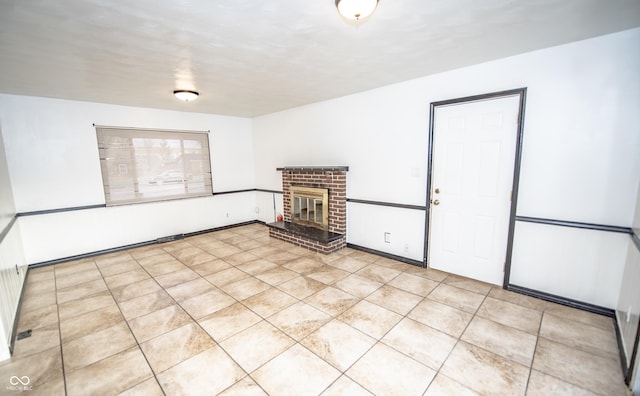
pixel 302 188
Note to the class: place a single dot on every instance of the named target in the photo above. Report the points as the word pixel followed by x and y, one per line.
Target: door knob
pixel 436 202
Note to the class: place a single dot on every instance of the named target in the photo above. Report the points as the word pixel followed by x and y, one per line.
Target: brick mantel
pixel 332 178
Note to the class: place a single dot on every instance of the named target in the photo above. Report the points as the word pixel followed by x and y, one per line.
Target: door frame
pixel 522 94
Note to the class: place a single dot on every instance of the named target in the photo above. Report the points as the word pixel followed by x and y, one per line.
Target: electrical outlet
pixel 227 215
pixel 406 248
pixel 387 237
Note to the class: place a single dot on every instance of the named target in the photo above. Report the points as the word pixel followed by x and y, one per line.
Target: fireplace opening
pixel 310 206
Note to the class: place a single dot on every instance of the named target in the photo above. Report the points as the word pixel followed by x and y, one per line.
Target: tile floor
pixel 236 313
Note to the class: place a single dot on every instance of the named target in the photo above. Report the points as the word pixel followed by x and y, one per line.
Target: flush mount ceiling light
pixel 187 96
pixel 356 9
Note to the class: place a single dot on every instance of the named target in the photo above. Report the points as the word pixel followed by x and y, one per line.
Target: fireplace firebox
pixel 310 206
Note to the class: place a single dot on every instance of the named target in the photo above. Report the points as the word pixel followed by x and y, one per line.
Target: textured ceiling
pixel 253 57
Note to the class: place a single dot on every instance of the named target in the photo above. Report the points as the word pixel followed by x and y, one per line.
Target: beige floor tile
pixel 502 340
pixel 40 274
pixel 441 317
pixel 413 284
pixel 301 265
pixel 579 335
pixel 269 302
pixel 225 277
pixel 240 258
pixel 458 298
pixel 187 290
pixel 207 303
pixel 90 322
pixel 145 304
pixel 250 244
pixel 327 274
pixel 165 268
pixel 299 320
pixel 126 278
pixel 445 386
pixel 295 372
pixel 390 263
pixel 428 273
pixel 134 290
pixel 77 278
pixel 603 322
pixel 80 291
pixel 423 343
pixel 37 318
pixel 49 388
pixel 468 284
pixel 115 268
pixel 346 386
pixel 149 387
pixel 245 387
pixel 283 257
pixel 301 287
pixel 518 299
pixel 368 257
pixel 485 372
pixel 112 259
pixel 176 278
pixel 378 273
pixel 41 368
pixel 176 245
pixel 357 285
pixel 74 267
pixel 378 370
pixel 338 344
pixel 276 276
pixel 594 373
pixel 332 301
pixel 198 376
pixel 509 314
pixel 146 251
pixel 159 322
pixel 211 267
pixel 256 345
pixel 370 318
pixel 349 264
pixel 175 346
pixel 156 259
pixel 37 287
pixel 79 307
pixel 393 299
pixel 191 256
pixel 93 347
pixel 42 339
pixel 224 250
pixel 541 384
pixel 245 288
pixel 112 375
pixel 256 267
pixel 32 302
pixel 229 321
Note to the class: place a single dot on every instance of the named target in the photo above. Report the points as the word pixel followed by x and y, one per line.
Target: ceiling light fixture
pixel 356 9
pixel 187 96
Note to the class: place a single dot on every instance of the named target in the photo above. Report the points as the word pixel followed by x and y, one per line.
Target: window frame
pixel 136 181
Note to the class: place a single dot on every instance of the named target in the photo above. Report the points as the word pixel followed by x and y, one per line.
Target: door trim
pixel 522 93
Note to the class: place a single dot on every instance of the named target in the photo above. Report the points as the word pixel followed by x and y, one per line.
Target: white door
pixel 474 145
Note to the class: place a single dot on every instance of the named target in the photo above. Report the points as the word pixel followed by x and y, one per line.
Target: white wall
pixel 580 159
pixel 53 162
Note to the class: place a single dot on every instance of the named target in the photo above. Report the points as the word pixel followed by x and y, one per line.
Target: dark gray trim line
pixel 634 237
pixel 314 169
pixel 59 210
pixel 575 224
pixel 522 93
pixel 7 229
pixel 14 331
pixel 634 354
pixel 269 191
pixel 390 204
pixel 136 245
pixel 386 255
pixel 562 300
pixel 233 191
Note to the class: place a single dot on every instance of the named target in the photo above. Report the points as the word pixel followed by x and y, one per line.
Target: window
pixel 140 165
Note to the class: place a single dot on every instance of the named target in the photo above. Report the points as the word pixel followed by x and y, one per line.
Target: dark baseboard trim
pixel 7 229
pixel 390 204
pixel 626 369
pixel 136 245
pixel 562 300
pixel 575 224
pixel 386 255
pixel 634 237
pixel 234 191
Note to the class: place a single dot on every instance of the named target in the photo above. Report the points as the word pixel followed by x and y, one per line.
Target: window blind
pixel 145 165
